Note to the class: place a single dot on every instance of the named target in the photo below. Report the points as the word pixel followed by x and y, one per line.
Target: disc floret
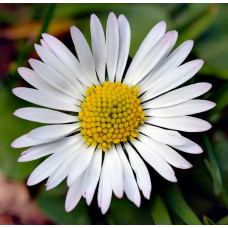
pixel 110 114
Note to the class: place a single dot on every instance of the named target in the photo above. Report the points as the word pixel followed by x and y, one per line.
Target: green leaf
pixel 207 221
pixel 221 154
pixel 47 19
pixel 214 169
pixel 52 205
pixel 159 212
pixel 213 166
pixel 180 207
pixel 223 221
pixel 197 26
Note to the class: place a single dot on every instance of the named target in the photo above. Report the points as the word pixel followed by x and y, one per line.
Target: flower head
pixel 109 124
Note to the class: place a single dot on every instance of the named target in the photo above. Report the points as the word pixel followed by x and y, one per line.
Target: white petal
pixel 92 175
pixel 115 171
pixel 167 153
pixel 189 147
pixel 173 79
pixel 142 174
pixel 47 167
pixel 98 46
pixel 53 131
pixel 187 108
pixel 105 188
pixel 124 45
pixel 168 64
pixel 130 185
pixel 66 56
pixel 44 44
pixel 50 59
pixel 181 123
pixel 84 54
pixel 155 160
pixel 178 96
pixel 36 97
pixel 160 51
pixel 162 135
pixel 62 171
pixel 33 79
pixel 25 141
pixel 80 164
pixel 54 78
pixel 42 115
pixel 39 151
pixel 33 155
pixel 112 45
pixel 153 36
pixel 74 194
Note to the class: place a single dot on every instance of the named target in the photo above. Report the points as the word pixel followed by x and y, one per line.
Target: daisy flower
pixel 111 120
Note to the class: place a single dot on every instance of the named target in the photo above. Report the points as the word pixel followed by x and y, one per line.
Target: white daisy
pixel 111 122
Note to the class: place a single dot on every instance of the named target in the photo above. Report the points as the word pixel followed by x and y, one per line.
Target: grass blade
pixel 212 165
pixel 159 212
pixel 214 170
pixel 207 221
pixel 180 207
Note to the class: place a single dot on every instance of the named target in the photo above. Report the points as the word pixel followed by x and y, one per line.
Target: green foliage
pixel 198 25
pixel 207 221
pixel 213 46
pixel 159 212
pixel 221 154
pixel 47 18
pixel 213 166
pixel 181 208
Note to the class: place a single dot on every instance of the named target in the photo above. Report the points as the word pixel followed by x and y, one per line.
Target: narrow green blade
pixel 180 207
pixel 207 221
pixel 159 212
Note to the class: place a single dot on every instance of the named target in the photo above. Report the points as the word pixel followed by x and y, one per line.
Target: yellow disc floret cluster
pixel 110 114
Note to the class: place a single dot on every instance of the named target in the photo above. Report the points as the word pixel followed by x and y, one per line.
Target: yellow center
pixel 110 114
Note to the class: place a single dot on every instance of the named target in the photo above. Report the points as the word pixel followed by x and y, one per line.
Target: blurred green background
pixel 201 194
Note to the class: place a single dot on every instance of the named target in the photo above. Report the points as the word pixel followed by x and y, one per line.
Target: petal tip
pixel 45 35
pixel 147 194
pixel 20 70
pixel 200 62
pixel 173 179
pixel 14 144
pixel 48 187
pixel 104 210
pixel 30 182
pixel 20 159
pixel 161 24
pixel 68 209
